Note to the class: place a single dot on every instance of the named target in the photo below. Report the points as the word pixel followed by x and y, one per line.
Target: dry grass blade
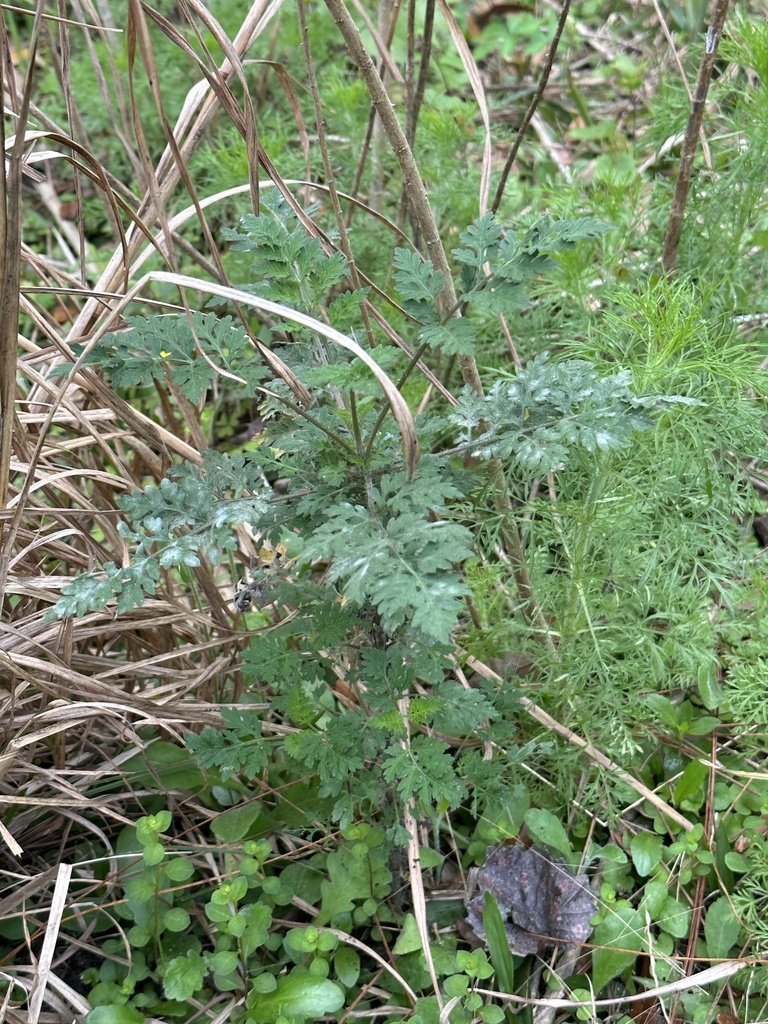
pixel 10 247
pixel 16 849
pixel 417 890
pixel 357 944
pixel 49 942
pixel 473 77
pixel 63 683
pixel 592 752
pixel 399 406
pixel 710 976
pixel 197 113
pixel 249 133
pixel 412 182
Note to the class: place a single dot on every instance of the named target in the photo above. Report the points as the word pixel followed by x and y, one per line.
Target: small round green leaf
pixel 153 853
pixel 301 940
pixel 326 941
pixel 178 869
pixel 319 968
pixel 139 935
pixel 263 983
pixel 225 962
pixel 491 1014
pixel 176 919
pixel 456 985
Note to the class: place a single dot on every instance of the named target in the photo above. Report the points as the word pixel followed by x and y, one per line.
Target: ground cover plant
pixel 383 484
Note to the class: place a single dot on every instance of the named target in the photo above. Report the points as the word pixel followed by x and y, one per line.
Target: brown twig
pixel 549 61
pixel 10 250
pixel 680 198
pixel 591 751
pixel 330 178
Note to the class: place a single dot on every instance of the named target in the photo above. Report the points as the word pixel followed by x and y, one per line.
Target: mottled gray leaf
pixel 542 902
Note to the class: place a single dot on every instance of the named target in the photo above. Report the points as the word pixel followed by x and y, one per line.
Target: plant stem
pixel 528 117
pixel 412 183
pixel 680 198
pixel 330 179
pixel 385 408
pixel 311 419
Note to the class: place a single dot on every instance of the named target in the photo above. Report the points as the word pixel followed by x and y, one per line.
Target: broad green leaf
pixel 298 997
pixel 675 918
pixel 738 862
pixel 721 928
pixel 172 765
pixel 613 854
pixel 430 858
pixel 665 709
pixel 646 849
pixel 690 781
pixel 409 940
pixel 654 898
pixel 709 686
pixel 617 941
pixel 703 726
pixel 346 965
pixel 546 828
pixel 183 976
pixel 114 1015
pixel 233 825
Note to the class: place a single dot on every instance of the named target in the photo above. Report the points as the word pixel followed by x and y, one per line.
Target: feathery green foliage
pixel 580 523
